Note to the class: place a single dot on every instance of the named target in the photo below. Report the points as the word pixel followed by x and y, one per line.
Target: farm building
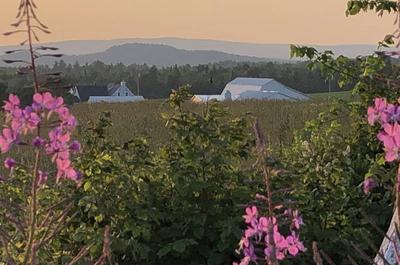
pixel 254 88
pixel 260 88
pixel 205 98
pixel 113 93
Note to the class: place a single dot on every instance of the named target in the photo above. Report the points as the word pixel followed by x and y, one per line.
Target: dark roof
pixel 86 91
pixel 111 90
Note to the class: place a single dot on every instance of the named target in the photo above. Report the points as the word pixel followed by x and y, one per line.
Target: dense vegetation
pixel 157 82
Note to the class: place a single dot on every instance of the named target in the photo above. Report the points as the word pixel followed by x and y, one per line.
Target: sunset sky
pixel 261 21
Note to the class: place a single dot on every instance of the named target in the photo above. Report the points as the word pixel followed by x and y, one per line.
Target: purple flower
pixel 368 185
pixel 75 146
pixel 9 163
pixel 38 142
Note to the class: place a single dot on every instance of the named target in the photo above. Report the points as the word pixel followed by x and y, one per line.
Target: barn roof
pixel 250 81
pixel 243 87
pixel 85 92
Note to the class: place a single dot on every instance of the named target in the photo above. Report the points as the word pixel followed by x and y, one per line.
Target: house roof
pixel 112 89
pixel 86 91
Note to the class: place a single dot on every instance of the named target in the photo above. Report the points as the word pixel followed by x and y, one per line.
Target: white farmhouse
pixel 114 93
pixel 260 88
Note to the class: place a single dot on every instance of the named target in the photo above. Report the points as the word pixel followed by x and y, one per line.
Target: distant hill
pixel 275 51
pixel 151 54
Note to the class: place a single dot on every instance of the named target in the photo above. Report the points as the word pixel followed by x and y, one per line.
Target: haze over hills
pixel 196 51
pixel 151 54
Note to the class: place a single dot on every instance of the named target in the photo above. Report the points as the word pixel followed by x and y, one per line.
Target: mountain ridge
pixel 262 50
pixel 151 54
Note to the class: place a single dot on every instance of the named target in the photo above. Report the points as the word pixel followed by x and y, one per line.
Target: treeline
pixel 156 82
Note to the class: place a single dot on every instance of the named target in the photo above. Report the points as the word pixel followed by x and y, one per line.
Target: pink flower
pixel 12 103
pixel 263 224
pixel 57 146
pixel 68 120
pixel 8 138
pixel 297 220
pixel 47 101
pixel 374 113
pixel 65 169
pixel 294 245
pixel 251 214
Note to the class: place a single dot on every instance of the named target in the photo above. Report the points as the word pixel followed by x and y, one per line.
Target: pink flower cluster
pixel 46 112
pixel 388 116
pixel 257 237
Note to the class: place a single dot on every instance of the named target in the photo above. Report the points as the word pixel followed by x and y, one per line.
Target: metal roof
pixel 246 81
pixel 250 88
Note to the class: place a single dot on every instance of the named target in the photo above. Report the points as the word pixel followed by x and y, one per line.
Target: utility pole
pixel 138 84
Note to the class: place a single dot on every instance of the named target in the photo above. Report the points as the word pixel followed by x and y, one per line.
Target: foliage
pixel 177 204
pixel 354 7
pixel 330 168
pixel 333 155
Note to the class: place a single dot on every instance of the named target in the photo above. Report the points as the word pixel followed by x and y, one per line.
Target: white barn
pixel 260 88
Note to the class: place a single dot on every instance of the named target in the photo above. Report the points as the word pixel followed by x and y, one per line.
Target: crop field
pixel 279 119
pixel 332 95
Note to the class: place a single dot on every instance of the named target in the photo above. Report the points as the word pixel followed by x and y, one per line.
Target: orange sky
pixel 264 21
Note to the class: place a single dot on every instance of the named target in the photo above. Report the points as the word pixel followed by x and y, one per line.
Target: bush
pixel 178 205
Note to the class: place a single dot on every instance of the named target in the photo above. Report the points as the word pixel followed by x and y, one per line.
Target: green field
pixel 279 119
pixel 332 95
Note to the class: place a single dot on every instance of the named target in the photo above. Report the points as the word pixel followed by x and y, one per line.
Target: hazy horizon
pixel 253 21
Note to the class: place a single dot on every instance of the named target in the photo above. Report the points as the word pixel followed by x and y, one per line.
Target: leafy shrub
pixel 178 205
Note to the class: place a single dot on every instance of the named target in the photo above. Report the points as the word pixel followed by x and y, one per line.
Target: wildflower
pixel 12 103
pixel 374 113
pixel 261 229
pixel 297 220
pixel 58 145
pixel 9 163
pixel 65 169
pixel 294 245
pixel 75 146
pixel 251 214
pixel 38 142
pixel 7 138
pixel 250 252
pixel 368 185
